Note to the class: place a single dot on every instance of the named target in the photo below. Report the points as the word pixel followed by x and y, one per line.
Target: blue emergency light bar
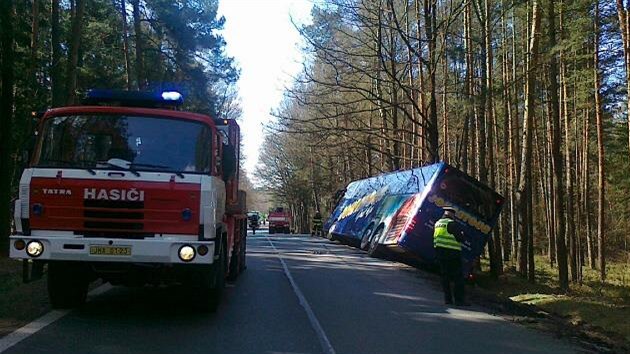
pixel 157 99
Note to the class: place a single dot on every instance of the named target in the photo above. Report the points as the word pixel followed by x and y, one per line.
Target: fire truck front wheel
pixel 67 284
pixel 212 284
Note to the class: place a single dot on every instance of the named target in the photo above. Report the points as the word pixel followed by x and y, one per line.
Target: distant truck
pixel 129 190
pixel 279 221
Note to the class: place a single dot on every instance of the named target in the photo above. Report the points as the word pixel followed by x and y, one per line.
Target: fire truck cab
pixel 130 190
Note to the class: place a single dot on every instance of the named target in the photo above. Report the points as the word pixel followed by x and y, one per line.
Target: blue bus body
pixel 400 208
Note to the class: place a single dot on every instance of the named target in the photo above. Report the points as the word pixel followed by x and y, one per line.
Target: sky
pixel 266 47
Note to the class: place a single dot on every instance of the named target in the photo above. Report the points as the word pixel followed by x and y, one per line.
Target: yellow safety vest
pixel 444 239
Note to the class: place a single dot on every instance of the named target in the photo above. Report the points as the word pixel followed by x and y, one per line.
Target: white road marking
pixel 323 339
pixel 29 329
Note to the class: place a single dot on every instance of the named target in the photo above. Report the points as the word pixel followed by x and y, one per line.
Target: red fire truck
pixel 279 221
pixel 130 190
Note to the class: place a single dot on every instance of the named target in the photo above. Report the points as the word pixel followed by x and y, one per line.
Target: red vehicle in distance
pixel 279 221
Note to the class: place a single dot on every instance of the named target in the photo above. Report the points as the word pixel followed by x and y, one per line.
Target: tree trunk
pixel 570 230
pixel 445 137
pixel 556 155
pixel 34 43
pixel 468 90
pixel 524 183
pixel 569 221
pixel 421 92
pixel 414 116
pixel 507 144
pixel 624 26
pixel 396 138
pixel 590 244
pixel 125 35
pixel 6 117
pixel 73 57
pixel 55 67
pixel 432 127
pixel 601 182
pixel 137 28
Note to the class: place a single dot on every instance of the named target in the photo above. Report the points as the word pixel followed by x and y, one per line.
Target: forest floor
pixel 594 306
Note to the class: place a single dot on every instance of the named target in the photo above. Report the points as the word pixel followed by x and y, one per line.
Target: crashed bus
pixel 394 213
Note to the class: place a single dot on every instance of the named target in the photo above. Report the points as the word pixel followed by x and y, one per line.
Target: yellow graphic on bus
pixel 462 215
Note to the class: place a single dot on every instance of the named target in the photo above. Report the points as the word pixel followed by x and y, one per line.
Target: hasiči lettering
pixel 132 195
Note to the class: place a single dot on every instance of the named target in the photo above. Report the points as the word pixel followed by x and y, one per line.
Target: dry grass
pixel 602 304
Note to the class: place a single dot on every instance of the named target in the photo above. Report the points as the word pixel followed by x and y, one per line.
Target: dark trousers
pixel 450 262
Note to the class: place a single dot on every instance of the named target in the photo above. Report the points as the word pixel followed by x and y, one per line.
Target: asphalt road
pixel 298 295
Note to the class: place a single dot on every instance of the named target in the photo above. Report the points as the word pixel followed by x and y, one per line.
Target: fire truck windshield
pixel 125 142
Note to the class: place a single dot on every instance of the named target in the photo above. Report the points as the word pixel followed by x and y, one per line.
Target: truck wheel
pixel 67 284
pixel 242 264
pixel 234 263
pixel 212 289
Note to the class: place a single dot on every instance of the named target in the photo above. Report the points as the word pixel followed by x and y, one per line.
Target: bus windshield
pixel 464 192
pixel 129 142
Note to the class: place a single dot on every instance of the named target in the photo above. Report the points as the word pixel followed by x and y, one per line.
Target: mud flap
pixel 32 270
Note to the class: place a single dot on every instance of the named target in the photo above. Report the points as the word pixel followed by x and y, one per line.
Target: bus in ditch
pixel 394 213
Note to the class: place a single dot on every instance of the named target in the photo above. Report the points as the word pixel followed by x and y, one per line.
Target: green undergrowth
pixel 605 305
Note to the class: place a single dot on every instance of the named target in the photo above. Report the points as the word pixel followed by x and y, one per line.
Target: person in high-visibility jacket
pixel 317 224
pixel 447 241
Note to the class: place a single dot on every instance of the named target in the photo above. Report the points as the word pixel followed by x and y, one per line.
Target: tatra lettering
pixel 50 191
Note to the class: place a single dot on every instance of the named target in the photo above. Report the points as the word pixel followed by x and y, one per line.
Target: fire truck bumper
pixel 169 251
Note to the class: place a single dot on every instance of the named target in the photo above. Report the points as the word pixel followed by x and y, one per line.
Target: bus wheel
pixel 365 239
pixel 373 250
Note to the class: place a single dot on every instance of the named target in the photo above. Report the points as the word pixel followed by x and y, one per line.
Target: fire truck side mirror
pixel 229 162
pixel 26 155
pixel 27 152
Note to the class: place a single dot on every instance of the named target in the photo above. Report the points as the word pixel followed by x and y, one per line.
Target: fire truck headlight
pixel 34 248
pixel 186 253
